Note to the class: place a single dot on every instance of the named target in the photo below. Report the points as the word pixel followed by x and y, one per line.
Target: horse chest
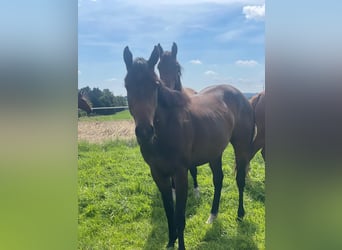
pixel 163 157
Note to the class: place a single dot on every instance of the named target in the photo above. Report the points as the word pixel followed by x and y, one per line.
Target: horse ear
pixel 174 50
pixel 161 51
pixel 154 57
pixel 128 58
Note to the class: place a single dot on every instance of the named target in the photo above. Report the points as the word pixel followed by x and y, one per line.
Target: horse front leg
pixel 181 184
pixel 164 186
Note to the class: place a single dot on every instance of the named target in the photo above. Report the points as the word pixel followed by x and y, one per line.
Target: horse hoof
pixel 239 219
pixel 211 218
pixel 170 246
pixel 197 193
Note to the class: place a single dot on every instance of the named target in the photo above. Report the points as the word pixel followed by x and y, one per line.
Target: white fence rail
pixel 118 107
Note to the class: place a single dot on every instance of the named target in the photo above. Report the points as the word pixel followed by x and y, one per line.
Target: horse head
pixel 142 85
pixel 83 103
pixel 169 68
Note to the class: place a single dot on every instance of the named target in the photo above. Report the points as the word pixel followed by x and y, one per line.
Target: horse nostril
pixel 144 132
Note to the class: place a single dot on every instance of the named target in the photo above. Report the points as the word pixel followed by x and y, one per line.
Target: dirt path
pixel 96 132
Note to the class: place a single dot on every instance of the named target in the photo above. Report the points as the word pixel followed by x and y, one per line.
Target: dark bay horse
pixel 170 73
pixel 176 131
pixel 170 70
pixel 83 103
pixel 258 104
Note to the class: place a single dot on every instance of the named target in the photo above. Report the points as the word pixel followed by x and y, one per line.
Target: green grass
pixel 122 115
pixel 121 208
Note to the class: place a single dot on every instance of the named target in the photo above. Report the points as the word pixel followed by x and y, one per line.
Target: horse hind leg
pixel 193 172
pixel 173 189
pixel 242 157
pixel 241 169
pixel 216 168
pixel 242 141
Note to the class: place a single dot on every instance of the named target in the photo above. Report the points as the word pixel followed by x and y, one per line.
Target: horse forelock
pixel 139 64
pixel 138 72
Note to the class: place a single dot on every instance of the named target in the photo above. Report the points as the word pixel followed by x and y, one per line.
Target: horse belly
pixel 209 144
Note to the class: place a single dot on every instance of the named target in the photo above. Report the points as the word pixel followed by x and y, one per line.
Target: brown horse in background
pixel 170 70
pixel 83 103
pixel 258 104
pixel 170 73
pixel 176 131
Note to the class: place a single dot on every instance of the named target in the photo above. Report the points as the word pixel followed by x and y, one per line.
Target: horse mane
pixel 178 84
pixel 171 98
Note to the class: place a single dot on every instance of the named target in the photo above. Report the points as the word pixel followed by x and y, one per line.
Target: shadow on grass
pixel 218 238
pixel 256 190
pixel 158 236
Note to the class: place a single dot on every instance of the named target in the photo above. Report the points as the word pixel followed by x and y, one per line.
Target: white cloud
pixel 255 12
pixel 210 73
pixel 111 79
pixel 79 72
pixel 249 63
pixel 196 61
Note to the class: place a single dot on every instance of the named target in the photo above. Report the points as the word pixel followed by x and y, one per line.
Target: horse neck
pixel 168 127
pixel 171 99
pixel 174 84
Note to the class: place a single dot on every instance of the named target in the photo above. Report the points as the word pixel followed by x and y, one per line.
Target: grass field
pixel 121 208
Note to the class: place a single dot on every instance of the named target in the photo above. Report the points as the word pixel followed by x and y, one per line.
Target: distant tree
pixel 120 101
pixel 107 98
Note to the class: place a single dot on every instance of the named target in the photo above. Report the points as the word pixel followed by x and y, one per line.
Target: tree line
pixel 102 98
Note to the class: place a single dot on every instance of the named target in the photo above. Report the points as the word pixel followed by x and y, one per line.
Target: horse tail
pixel 254 101
pixel 255 131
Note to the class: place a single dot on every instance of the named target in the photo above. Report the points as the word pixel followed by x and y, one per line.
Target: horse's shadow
pixel 158 236
pixel 256 190
pixel 215 235
pixel 219 239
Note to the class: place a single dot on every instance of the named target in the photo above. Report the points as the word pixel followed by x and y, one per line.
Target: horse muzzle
pixel 144 133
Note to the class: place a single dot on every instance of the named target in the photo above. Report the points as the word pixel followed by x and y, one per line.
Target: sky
pixel 219 41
